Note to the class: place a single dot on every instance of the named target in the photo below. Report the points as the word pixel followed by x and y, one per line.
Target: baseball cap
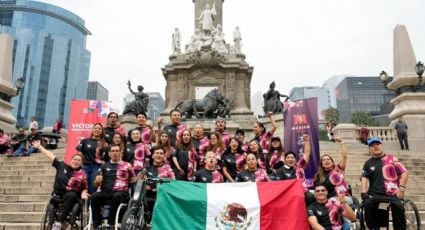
pixel 374 140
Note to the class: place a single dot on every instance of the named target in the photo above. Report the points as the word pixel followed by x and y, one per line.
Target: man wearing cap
pixel 387 182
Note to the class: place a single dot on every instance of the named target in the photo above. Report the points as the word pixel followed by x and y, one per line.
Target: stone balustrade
pixel 351 133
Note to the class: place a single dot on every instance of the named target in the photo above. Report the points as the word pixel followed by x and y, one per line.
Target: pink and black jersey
pixel 68 179
pixel 328 214
pixel 141 154
pixel 207 176
pixel 297 171
pixel 264 140
pixel 335 182
pixel 383 174
pixel 93 151
pixel 258 176
pixel 116 176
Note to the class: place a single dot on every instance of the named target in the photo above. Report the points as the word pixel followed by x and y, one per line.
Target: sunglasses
pixel 320 190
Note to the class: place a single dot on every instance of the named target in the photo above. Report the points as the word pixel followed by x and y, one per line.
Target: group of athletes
pixel 110 160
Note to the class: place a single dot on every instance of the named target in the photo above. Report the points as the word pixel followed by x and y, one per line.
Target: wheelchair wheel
pixel 133 219
pixel 356 225
pixel 413 219
pixel 48 216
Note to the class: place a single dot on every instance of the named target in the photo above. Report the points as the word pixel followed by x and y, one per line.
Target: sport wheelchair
pixel 135 218
pixel 413 220
pixel 120 210
pixel 53 210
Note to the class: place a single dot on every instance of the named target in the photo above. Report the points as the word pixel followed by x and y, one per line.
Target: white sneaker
pixel 56 226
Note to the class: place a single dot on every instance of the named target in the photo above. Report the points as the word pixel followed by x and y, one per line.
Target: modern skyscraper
pixel 96 91
pixel 322 94
pixel 49 52
pixel 330 85
pixel 361 94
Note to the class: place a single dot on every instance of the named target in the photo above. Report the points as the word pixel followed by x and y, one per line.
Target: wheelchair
pixel 413 221
pixel 53 209
pixel 105 212
pixel 137 215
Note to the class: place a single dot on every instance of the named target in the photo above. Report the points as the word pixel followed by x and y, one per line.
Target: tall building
pixel 361 94
pixel 322 94
pixel 155 106
pixel 96 91
pixel 49 52
pixel 330 85
pixel 257 103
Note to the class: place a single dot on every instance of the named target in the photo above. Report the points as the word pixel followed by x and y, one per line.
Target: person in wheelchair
pixel 70 183
pixel 158 169
pixel 113 181
pixel 387 182
pixel 327 214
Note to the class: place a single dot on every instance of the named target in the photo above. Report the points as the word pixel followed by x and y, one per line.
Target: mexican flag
pixel 230 206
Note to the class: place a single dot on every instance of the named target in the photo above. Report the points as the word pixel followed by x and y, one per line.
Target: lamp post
pixel 19 84
pixel 419 69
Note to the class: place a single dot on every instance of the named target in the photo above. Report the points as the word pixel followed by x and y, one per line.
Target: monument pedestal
pixel 7 121
pixel 411 107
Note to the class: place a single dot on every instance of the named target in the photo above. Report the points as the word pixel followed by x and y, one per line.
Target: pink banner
pixel 83 114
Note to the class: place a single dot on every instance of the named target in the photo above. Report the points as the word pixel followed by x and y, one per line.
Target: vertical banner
pixel 301 118
pixel 82 115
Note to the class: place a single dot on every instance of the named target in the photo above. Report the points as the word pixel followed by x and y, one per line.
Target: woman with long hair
pixel 94 150
pixel 185 157
pixel 137 152
pixel 276 152
pixel 253 172
pixel 200 141
pixel 262 157
pixel 119 139
pixel 216 146
pixel 263 136
pixel 164 142
pixel 233 160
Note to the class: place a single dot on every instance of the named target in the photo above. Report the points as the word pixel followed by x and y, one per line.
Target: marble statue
pixel 195 42
pixel 140 103
pixel 176 41
pixel 237 37
pixel 219 44
pixel 207 19
pixel 272 101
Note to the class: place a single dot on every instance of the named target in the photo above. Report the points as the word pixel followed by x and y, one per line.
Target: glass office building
pixel 49 52
pixel 361 94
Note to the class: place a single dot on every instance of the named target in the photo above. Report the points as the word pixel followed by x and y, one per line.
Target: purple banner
pixel 301 118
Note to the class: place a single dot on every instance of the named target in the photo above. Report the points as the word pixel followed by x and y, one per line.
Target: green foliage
pixel 323 135
pixel 332 115
pixel 359 118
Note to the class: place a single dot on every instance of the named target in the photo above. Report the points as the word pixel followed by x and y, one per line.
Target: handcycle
pixel 53 210
pixel 136 215
pixel 413 220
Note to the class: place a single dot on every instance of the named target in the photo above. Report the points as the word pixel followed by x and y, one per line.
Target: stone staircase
pixel 26 182
pixel 358 154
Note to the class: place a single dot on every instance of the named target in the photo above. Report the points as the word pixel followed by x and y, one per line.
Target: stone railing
pixel 351 132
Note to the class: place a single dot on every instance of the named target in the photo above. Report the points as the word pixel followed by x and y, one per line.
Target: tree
pixel 360 118
pixel 332 115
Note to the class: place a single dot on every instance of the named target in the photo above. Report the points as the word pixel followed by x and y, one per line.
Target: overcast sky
pixel 295 43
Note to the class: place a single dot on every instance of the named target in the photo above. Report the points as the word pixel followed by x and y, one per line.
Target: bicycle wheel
pixel 131 219
pixel 413 220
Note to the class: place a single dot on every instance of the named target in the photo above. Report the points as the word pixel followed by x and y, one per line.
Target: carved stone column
pixel 7 121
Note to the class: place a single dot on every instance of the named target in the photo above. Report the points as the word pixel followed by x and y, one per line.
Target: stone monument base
pixel 7 121
pixel 411 107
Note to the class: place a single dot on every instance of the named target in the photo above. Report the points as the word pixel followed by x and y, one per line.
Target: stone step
pixel 25 163
pixel 24 207
pixel 26 191
pixel 26 167
pixel 21 226
pixel 24 198
pixel 28 178
pixel 22 217
pixel 27 184
pixel 25 172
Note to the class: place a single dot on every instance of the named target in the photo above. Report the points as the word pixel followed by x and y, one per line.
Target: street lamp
pixel 419 69
pixel 383 76
pixel 19 84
